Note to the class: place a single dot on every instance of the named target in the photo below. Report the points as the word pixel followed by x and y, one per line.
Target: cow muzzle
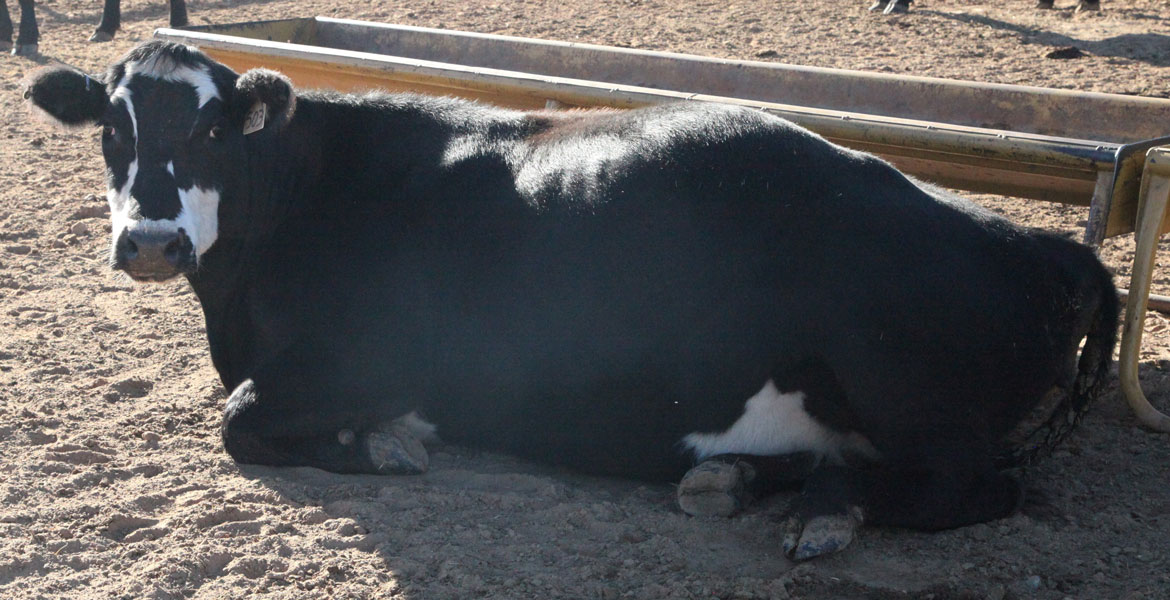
pixel 154 255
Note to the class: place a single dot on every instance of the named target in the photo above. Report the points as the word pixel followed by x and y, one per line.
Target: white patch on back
pixel 775 423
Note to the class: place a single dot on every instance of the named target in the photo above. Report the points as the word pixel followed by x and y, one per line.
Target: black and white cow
pixel 900 6
pixel 622 292
pixel 28 36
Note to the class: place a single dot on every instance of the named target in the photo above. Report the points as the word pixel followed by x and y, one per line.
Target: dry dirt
pixel 113 482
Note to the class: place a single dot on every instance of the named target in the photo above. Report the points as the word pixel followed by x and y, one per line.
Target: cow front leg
pixel 722 485
pixel 264 426
pixel 111 21
pixel 5 27
pixel 837 500
pixel 28 36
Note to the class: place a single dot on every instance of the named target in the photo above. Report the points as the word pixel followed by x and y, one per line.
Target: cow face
pixel 173 125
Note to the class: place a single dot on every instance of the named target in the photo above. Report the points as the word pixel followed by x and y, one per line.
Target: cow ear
pixel 263 100
pixel 66 96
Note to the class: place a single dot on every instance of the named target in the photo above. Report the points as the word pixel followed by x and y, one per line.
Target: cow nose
pixel 153 255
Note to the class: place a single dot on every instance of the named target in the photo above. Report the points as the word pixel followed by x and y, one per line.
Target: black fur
pixel 71 97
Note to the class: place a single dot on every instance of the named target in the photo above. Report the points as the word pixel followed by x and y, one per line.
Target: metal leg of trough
pixel 1155 195
pixel 1099 209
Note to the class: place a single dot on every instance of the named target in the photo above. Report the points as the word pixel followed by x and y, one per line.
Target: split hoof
pixel 101 36
pixel 1084 6
pixel 395 451
pixel 715 489
pixel 820 535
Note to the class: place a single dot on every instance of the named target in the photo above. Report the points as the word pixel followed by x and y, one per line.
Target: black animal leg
pixel 928 496
pixel 178 13
pixel 111 21
pixel 28 37
pixel 5 27
pixel 724 484
pixel 261 428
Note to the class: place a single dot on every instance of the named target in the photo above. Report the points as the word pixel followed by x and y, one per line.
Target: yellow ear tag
pixel 254 120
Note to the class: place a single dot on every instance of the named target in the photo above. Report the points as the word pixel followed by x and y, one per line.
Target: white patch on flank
pixel 775 423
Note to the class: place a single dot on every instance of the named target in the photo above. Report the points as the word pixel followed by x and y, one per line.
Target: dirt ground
pixel 113 483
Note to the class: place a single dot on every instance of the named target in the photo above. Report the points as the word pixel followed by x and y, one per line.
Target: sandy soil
pixel 113 482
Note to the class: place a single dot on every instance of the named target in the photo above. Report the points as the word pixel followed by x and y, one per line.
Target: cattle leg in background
pixel 1082 5
pixel 27 37
pixel 890 7
pixel 112 19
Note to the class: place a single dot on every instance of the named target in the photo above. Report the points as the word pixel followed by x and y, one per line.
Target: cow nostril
pixel 171 252
pixel 131 250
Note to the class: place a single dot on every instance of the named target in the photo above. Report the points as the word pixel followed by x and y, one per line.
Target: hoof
pixel 101 36
pixel 896 8
pixel 877 6
pixel 5 46
pixel 1084 6
pixel 1045 4
pixel 820 535
pixel 715 489
pixel 25 50
pixel 395 451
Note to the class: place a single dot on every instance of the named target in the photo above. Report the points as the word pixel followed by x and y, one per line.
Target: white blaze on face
pixel 775 423
pixel 199 215
pixel 123 208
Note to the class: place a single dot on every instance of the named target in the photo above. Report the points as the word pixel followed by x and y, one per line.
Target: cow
pixel 690 290
pixel 890 7
pixel 28 36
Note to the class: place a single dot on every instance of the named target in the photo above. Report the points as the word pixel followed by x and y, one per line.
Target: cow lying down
pixel 691 291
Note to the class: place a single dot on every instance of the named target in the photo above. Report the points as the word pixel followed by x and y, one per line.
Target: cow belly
pixel 776 423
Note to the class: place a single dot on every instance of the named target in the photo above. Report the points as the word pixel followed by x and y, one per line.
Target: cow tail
pixel 1090 381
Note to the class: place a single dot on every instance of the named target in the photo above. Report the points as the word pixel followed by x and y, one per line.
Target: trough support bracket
pixel 1152 204
pixel 1099 208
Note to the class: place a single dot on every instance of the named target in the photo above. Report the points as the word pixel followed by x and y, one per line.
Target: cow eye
pixel 108 132
pixel 216 132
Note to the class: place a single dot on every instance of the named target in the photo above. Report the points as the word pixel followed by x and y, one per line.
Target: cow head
pixel 173 136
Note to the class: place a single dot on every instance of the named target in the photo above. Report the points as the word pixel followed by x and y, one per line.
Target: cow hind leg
pixel 930 497
pixel 724 484
pixel 278 434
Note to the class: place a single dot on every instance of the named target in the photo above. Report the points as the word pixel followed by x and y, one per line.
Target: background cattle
pixel 626 293
pixel 28 36
pixel 901 6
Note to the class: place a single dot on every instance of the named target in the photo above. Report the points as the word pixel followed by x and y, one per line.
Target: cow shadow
pixel 1149 48
pixel 477 519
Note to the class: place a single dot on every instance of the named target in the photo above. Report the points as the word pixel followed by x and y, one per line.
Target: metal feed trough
pixel 1110 152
